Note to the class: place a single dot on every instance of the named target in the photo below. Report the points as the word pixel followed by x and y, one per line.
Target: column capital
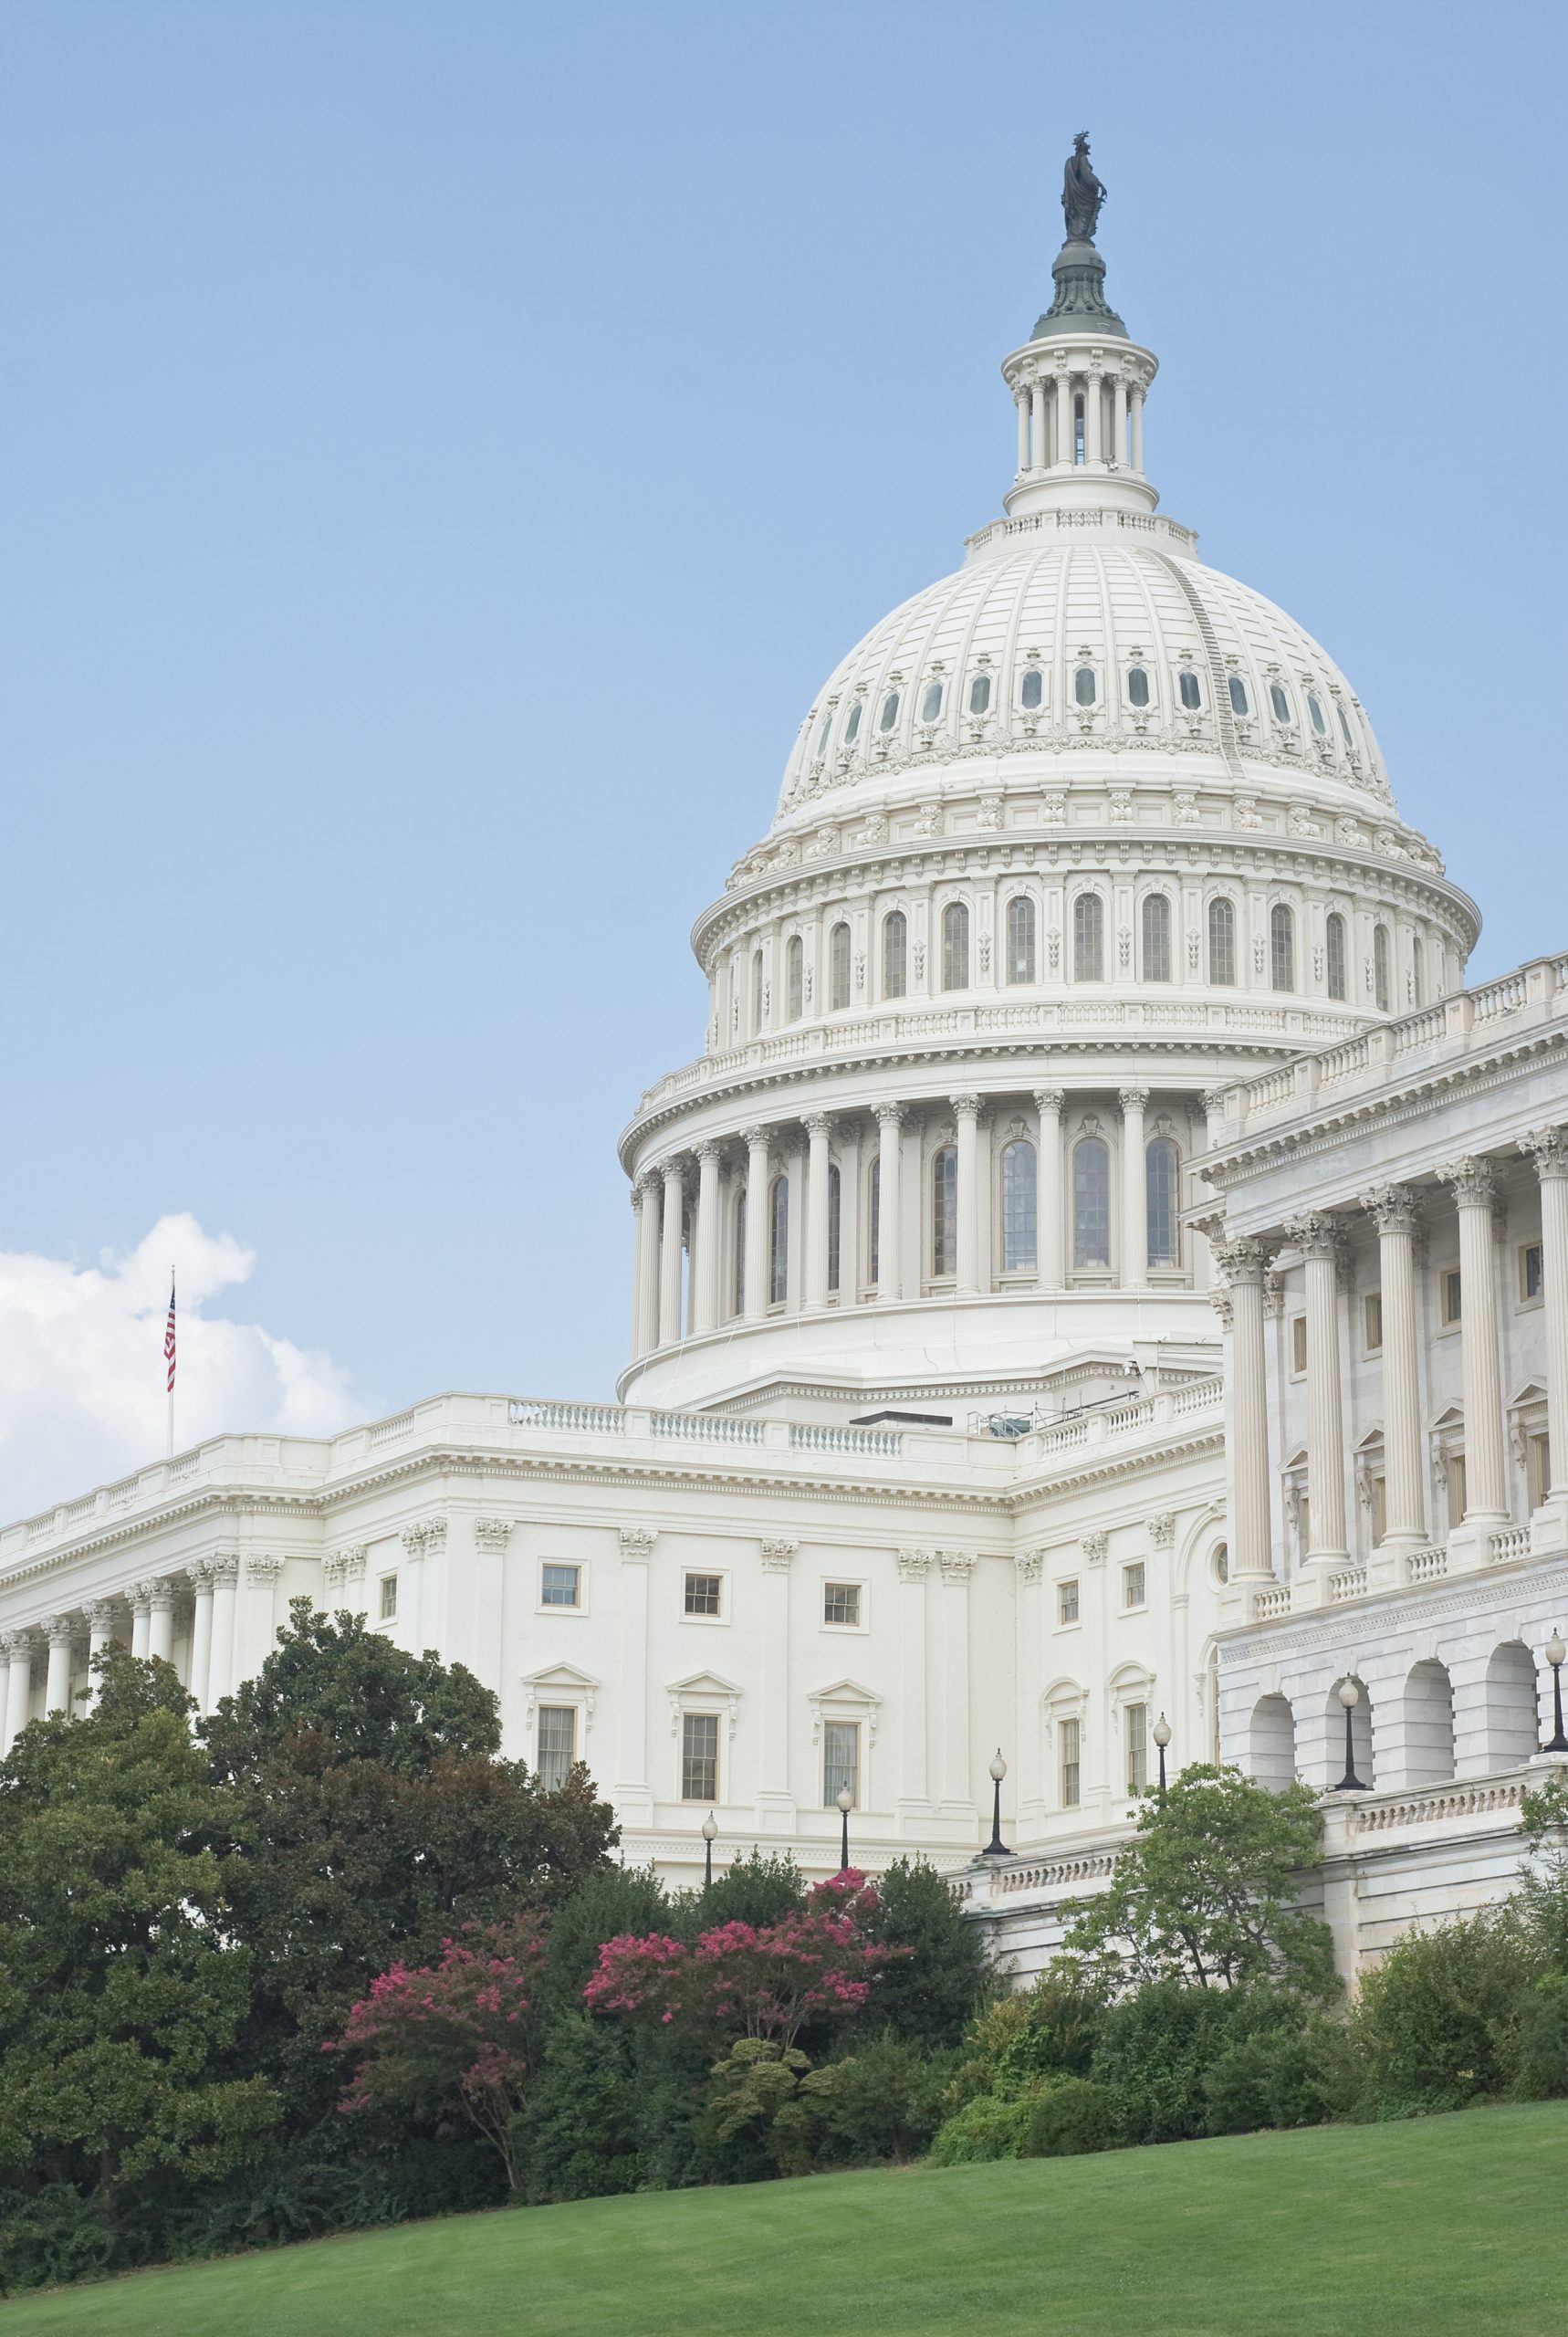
pixel 956 1567
pixel 260 1567
pixel 641 1186
pixel 493 1534
pixel 1474 1181
pixel 709 1150
pixel 753 1136
pixel 199 1575
pixel 1548 1148
pixel 1132 1099
pixel 673 1169
pixel 637 1544
pixel 818 1124
pixel 1317 1233
pixel 914 1565
pixel 965 1108
pixel 1050 1099
pixel 59 1629
pixel 777 1551
pixel 1395 1208
pixel 1162 1528
pixel 1030 1564
pixel 99 1613
pixel 1095 1546
pixel 224 1566
pixel 1222 1300
pixel 1245 1260
pixel 15 1645
pixel 889 1115
pixel 156 1591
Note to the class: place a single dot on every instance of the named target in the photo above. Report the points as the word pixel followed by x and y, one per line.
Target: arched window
pixel 954 946
pixel 1191 692
pixel 1221 940
pixel 1281 948
pixel 1238 701
pixel 1091 1202
pixel 1078 430
pixel 835 1218
pixel 1316 712
pixel 1281 704
pixel 1085 685
pixel 839 969
pixel 740 1251
pixel 1088 938
pixel 852 726
pixel 944 1210
pixel 1417 972
pixel 1137 686
pixel 1020 939
pixel 895 954
pixel 1162 1166
pixel 795 976
pixel 756 991
pixel 1033 690
pixel 823 735
pixel 931 704
pixel 1344 729
pixel 873 1224
pixel 1156 937
pixel 1020 1242
pixel 889 714
pixel 1382 969
pixel 980 694
pixel 779 1242
pixel 1335 953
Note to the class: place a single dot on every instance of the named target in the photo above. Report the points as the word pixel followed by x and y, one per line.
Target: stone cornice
pixel 1381 1617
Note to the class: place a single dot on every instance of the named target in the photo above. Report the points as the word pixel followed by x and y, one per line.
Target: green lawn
pixel 1441 2224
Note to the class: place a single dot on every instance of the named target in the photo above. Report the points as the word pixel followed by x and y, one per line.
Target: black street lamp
pixel 1556 1655
pixel 846 1802
pixel 996 1848
pixel 1162 1738
pixel 1349 1696
pixel 710 1832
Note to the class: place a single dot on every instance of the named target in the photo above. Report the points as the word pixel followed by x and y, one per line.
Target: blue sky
pixel 443 449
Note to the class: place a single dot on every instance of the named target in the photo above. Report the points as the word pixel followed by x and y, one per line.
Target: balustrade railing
pixel 879 1444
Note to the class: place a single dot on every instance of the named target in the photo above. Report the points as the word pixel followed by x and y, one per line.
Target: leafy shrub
pixel 927 1993
pixel 1069 2117
pixel 747 2130
pixel 755 1890
pixel 53 2237
pixel 1063 2020
pixel 985 2128
pixel 1155 2053
pixel 883 2102
pixel 1283 2075
pixel 1435 2020
pixel 1540 2044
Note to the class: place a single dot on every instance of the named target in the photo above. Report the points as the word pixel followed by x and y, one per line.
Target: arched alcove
pixel 1428 1718
pixel 1271 1742
pixel 1513 1726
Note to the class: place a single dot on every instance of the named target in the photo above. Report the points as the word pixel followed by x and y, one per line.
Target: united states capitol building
pixel 1103 1268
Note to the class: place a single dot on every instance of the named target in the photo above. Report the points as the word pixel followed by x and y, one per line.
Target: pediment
pixel 563 1681
pixel 703 1684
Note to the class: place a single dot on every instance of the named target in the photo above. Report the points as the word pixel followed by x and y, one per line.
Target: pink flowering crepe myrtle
pixel 764 1980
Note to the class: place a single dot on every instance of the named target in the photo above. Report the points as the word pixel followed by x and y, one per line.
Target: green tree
pixel 121 1988
pixel 928 1993
pixel 1205 1893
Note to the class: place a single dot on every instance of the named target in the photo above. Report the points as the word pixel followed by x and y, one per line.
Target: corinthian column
pixel 818 1129
pixel 1393 1208
pixel 669 1244
pixel 220 1661
pixel 645 1268
pixel 1135 1190
pixel 160 1618
pixel 967 1119
pixel 755 1223
pixel 100 1632
pixel 914 1788
pixel 1485 1485
pixel 59 1630
pixel 890 1180
pixel 1049 1215
pixel 1244 1263
pixel 1320 1239
pixel 17 1647
pixel 1548 1147
pixel 705 1276
pixel 201 1574
pixel 775 1802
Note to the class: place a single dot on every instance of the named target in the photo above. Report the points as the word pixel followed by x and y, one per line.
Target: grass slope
pixel 1441 2224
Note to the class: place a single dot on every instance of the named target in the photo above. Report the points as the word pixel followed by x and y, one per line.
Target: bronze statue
pixel 1081 193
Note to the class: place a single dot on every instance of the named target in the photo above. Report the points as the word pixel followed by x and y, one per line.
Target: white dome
pixel 987 663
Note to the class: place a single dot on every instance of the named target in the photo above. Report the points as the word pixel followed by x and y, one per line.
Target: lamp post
pixel 846 1802
pixel 996 1848
pixel 1556 1655
pixel 710 1831
pixel 1162 1738
pixel 1349 1696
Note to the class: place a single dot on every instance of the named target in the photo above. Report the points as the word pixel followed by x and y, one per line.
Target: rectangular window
pixel 1134 1583
pixel 1298 1343
pixel 699 1756
pixel 389 1596
pixel 561 1587
pixel 1530 1271
pixel 557 1744
pixel 1456 1488
pixel 1067 1601
pixel 1540 1468
pixel 1072 1740
pixel 703 1593
pixel 1135 1721
pixel 1374 1312
pixel 1453 1296
pixel 841 1762
pixel 1379 1508
pixel 842 1602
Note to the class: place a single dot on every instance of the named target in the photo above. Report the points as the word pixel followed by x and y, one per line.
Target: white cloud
pixel 81 1365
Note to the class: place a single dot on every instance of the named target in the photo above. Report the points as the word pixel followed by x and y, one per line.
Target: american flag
pixel 169 1336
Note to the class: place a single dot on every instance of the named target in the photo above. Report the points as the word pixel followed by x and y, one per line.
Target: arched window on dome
pixel 1156 937
pixel 1088 938
pixel 980 694
pixel 1335 953
pixel 954 946
pixel 1417 972
pixel 873 1225
pixel 738 1283
pixel 1315 713
pixel 1091 1202
pixel 1162 1168
pixel 778 1242
pixel 795 978
pixel 755 993
pixel 1221 940
pixel 889 715
pixel 1078 430
pixel 823 735
pixel 944 1210
pixel 1085 685
pixel 1281 702
pixel 1382 969
pixel 852 726
pixel 1345 729
pixel 836 1221
pixel 1137 685
pixel 895 954
pixel 1020 938
pixel 1281 948
pixel 1239 700
pixel 1191 691
pixel 838 968
pixel 1020 1187
pixel 1032 690
pixel 931 704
